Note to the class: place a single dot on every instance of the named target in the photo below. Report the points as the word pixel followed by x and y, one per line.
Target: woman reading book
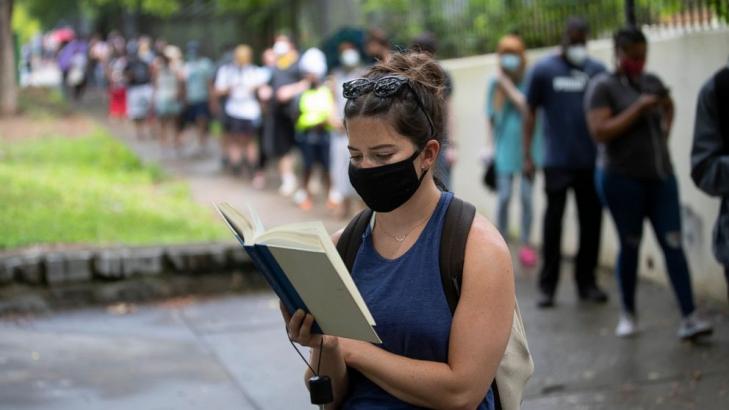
pixel 429 357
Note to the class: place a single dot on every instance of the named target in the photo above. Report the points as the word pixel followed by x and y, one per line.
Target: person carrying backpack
pixel 710 156
pixel 443 340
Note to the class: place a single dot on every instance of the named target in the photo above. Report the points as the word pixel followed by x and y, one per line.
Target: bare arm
pixel 530 119
pixel 513 93
pixel 287 92
pixel 605 126
pixel 668 115
pixel 479 333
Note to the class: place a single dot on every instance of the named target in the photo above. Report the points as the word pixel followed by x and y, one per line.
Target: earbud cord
pixel 318 366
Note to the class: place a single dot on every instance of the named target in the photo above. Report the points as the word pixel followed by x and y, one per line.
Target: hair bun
pixel 418 67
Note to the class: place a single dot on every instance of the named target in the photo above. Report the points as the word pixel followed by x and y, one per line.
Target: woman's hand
pixel 299 326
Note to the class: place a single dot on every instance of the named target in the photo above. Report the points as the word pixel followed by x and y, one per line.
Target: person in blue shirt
pixel 557 86
pixel 395 122
pixel 505 107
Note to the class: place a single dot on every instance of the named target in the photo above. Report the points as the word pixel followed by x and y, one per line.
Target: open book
pixel 303 267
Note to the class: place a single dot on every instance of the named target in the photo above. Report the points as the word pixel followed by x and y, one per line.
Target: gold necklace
pixel 401 238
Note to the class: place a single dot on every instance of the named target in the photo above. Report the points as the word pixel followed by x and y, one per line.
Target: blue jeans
pixel 630 202
pixel 504 184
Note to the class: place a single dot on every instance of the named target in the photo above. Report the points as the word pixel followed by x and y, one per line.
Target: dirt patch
pixel 23 127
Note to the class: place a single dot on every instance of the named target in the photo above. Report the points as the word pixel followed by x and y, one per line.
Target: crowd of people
pixel 599 133
pixel 602 134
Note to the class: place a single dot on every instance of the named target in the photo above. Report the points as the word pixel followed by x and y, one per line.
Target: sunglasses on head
pixel 383 87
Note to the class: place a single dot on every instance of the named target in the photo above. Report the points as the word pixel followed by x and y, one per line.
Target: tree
pixel 8 87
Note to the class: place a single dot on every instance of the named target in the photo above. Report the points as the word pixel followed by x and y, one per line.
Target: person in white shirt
pixel 239 82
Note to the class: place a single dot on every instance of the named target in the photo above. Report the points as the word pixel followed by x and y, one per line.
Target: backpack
pixel 516 366
pixel 721 87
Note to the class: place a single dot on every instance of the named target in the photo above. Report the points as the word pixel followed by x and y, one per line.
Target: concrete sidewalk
pixel 232 353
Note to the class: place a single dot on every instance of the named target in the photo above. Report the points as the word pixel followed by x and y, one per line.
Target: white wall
pixel 684 61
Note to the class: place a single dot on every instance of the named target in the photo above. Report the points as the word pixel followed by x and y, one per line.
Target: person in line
pixel 350 67
pixel 116 84
pixel 167 87
pixel 557 85
pixel 505 107
pixel 710 156
pixel 139 89
pixel 198 76
pixel 429 358
pixel 427 42
pixel 238 83
pixel 313 126
pixel 630 113
pixel 377 45
pixel 279 138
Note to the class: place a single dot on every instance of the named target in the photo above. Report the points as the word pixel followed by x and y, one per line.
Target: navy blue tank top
pixel 406 299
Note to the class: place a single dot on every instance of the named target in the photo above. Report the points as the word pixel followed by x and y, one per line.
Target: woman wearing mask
pixel 505 106
pixel 349 69
pixel 238 82
pixel 394 119
pixel 630 113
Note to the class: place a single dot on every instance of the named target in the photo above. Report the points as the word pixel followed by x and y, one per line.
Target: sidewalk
pixel 232 352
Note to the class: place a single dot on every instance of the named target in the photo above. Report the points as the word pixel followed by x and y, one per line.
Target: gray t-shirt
pixel 642 152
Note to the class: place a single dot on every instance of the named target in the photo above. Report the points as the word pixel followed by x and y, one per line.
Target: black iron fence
pixel 467 27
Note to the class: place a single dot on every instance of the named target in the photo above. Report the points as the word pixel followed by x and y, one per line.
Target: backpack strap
pixel 351 238
pixel 457 225
pixel 721 91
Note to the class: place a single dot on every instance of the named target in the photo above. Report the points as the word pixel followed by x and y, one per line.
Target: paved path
pixel 232 353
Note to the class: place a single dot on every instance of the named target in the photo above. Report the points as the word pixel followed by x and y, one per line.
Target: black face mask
pixel 386 187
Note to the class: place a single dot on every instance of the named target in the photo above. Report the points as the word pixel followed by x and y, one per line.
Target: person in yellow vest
pixel 314 124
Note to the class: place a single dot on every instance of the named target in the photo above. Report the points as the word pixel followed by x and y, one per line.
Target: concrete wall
pixel 683 61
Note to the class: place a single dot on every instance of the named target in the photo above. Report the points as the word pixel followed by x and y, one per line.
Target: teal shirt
pixel 198 74
pixel 506 125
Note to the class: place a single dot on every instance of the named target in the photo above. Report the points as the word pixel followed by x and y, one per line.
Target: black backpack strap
pixel 456 227
pixel 721 90
pixel 351 238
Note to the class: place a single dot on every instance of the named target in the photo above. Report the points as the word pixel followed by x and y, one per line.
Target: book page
pixel 333 304
pixel 238 222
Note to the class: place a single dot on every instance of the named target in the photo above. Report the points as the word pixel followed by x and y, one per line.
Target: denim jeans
pixel 630 202
pixel 504 185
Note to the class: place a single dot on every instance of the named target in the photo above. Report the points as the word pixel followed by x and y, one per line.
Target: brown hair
pixel 426 82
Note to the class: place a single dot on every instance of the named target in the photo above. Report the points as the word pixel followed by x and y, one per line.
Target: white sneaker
pixel 288 185
pixel 627 326
pixel 693 326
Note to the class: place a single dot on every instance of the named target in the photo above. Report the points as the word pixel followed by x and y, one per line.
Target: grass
pixel 92 190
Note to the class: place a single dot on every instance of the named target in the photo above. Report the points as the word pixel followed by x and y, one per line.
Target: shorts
pixel 139 101
pixel 234 125
pixel 315 145
pixel 167 108
pixel 193 112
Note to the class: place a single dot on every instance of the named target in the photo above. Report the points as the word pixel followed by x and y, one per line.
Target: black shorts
pixel 314 145
pixel 192 112
pixel 234 125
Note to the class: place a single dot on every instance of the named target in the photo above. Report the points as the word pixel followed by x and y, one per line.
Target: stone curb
pixel 54 269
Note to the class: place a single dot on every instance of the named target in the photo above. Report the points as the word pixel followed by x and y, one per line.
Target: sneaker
pixel 593 294
pixel 693 327
pixel 627 326
pixel 528 256
pixel 288 185
pixel 545 300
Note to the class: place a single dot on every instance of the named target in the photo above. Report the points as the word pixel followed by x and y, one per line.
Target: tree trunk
pixel 8 87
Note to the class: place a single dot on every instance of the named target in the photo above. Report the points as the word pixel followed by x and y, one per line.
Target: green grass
pixel 93 190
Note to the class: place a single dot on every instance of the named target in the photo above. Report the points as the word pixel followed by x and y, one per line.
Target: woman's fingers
pixel 295 324
pixel 305 330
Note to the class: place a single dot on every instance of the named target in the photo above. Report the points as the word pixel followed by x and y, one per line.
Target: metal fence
pixel 467 27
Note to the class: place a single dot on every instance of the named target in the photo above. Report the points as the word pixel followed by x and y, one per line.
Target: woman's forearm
pixel 333 366
pixel 616 126
pixel 418 382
